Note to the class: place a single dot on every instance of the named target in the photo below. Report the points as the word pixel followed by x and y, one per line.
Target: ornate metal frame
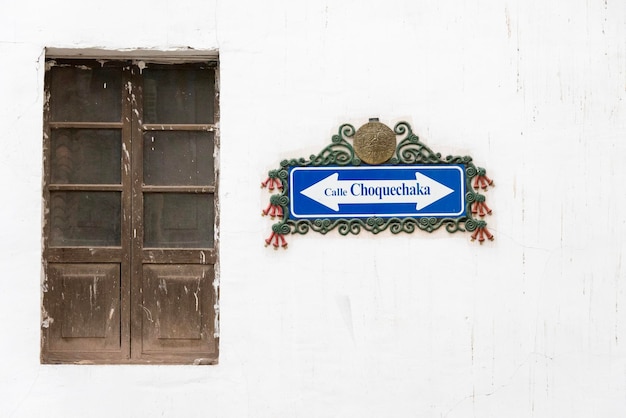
pixel 408 151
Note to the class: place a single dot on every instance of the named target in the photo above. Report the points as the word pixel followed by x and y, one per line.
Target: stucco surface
pixel 532 324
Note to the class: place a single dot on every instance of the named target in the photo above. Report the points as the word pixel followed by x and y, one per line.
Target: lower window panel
pixel 178 310
pixel 82 304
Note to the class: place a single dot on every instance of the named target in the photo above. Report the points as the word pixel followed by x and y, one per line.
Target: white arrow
pixel 332 192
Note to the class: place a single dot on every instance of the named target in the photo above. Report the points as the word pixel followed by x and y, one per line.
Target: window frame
pixel 131 254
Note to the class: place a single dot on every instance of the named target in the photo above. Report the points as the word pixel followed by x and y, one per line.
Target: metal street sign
pixel 376 179
pixel 382 191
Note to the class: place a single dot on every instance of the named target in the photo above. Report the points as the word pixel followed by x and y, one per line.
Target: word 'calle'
pixel 360 189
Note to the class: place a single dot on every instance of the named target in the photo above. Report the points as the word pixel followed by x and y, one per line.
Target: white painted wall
pixel 530 325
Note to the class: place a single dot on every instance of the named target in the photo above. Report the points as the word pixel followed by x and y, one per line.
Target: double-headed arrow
pixel 332 192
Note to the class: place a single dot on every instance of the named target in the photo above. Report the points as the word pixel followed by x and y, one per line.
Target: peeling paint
pixel 93 292
pixel 46 319
pixel 507 19
pixel 216 308
pixel 126 158
pixel 148 313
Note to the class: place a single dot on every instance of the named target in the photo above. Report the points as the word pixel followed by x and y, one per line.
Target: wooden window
pixel 130 241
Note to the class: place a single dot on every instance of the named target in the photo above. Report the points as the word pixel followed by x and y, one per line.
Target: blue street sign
pixel 383 191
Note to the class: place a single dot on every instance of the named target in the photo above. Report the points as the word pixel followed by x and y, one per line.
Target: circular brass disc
pixel 374 143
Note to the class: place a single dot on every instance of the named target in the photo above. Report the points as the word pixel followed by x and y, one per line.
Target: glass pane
pixel 83 94
pixel 183 95
pixel 178 220
pixel 85 218
pixel 178 158
pixel 85 156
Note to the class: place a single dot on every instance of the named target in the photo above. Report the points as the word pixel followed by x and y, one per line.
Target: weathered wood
pixel 177 309
pixel 179 127
pixel 86 187
pixel 183 256
pixel 134 276
pixel 86 125
pixel 179 189
pixel 83 306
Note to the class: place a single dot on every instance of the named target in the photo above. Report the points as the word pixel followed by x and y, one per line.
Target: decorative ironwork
pixel 409 151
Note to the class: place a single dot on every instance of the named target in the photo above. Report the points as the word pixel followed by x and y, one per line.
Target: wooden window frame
pixel 137 264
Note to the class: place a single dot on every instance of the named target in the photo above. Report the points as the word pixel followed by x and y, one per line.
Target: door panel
pixel 178 307
pixel 83 302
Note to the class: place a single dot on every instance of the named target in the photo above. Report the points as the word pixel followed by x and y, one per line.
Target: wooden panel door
pixel 130 213
pixel 174 298
pixel 86 311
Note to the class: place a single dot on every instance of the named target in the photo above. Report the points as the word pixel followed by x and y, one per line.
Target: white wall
pixel 532 324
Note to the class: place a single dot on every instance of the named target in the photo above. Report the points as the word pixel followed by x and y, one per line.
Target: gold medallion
pixel 374 142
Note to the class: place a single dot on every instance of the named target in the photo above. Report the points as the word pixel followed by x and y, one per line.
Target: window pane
pixel 178 158
pixel 85 218
pixel 85 156
pixel 83 94
pixel 183 95
pixel 178 220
